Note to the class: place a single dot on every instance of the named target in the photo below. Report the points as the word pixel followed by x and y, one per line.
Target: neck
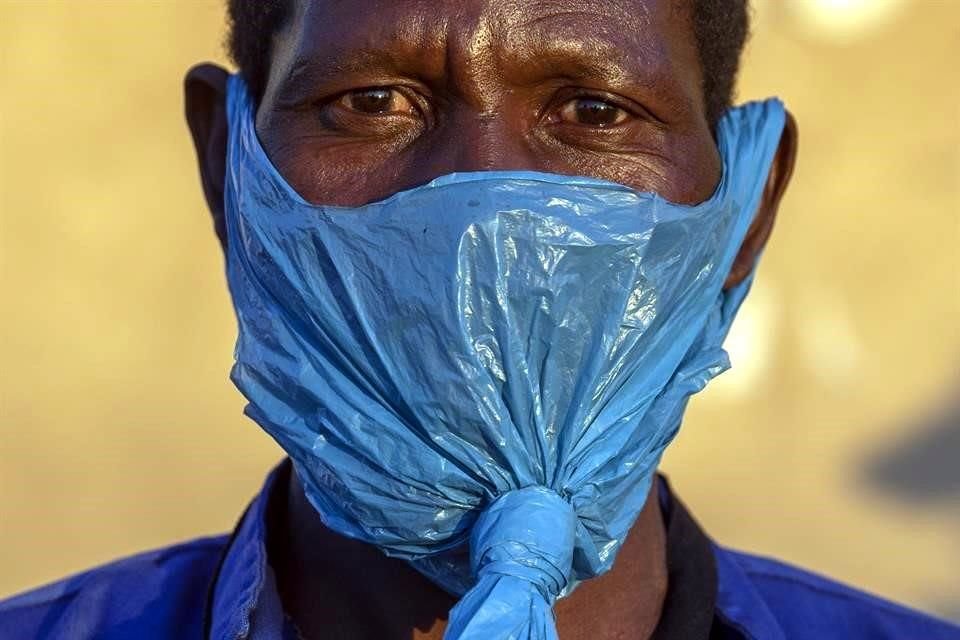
pixel 332 586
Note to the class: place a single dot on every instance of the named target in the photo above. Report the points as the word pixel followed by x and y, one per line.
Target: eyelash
pixel 569 95
pixel 416 99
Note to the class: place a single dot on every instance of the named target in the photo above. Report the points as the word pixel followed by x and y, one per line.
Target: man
pixel 354 102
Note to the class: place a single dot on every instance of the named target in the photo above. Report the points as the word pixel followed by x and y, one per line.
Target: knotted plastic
pixel 521 551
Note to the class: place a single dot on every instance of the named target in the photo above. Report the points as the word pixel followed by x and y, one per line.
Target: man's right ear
pixel 205 102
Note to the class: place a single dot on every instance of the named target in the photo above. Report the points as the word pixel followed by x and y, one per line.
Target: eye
pixel 376 101
pixel 592 112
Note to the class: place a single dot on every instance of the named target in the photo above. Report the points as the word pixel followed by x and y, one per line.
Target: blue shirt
pixel 222 588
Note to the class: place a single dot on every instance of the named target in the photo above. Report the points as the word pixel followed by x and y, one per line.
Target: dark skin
pixel 368 98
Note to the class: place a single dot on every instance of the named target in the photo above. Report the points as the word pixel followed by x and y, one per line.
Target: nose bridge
pixel 469 140
pixel 488 141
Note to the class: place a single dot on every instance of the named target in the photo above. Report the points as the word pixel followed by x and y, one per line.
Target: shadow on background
pixel 923 468
pixel 922 471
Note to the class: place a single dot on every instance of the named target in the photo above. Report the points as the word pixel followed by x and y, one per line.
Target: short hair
pixel 720 28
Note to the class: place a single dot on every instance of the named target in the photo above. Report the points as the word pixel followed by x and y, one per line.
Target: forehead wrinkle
pixel 579 19
pixel 550 10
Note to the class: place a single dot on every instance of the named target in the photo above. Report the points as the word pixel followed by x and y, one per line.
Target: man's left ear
pixel 205 105
pixel 777 181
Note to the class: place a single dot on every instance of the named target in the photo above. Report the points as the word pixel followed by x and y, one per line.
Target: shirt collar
pixel 739 605
pixel 689 608
pixel 237 587
pixel 243 603
pixel 738 610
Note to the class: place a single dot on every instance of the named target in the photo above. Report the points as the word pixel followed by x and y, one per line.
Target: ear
pixel 777 181
pixel 205 102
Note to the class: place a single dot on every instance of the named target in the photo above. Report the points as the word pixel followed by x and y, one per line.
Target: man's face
pixel 368 98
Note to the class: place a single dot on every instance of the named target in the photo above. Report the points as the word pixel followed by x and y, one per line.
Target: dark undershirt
pixel 689 605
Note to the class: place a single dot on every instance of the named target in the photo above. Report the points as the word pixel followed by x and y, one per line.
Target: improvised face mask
pixel 481 374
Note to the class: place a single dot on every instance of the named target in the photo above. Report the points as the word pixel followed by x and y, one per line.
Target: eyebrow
pixel 606 62
pixel 311 72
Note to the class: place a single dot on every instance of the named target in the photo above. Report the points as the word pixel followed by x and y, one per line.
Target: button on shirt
pixel 223 588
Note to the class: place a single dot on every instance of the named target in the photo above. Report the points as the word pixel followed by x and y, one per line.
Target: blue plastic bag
pixel 481 374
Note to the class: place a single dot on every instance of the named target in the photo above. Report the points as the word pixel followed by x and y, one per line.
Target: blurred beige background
pixel 834 443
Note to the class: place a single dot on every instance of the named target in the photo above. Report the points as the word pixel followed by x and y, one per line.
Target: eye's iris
pixel 377 100
pixel 371 100
pixel 595 113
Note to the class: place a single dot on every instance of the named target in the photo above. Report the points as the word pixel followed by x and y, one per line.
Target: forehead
pixel 625 16
pixel 651 41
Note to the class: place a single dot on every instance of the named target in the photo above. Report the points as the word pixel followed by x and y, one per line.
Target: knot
pixel 528 534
